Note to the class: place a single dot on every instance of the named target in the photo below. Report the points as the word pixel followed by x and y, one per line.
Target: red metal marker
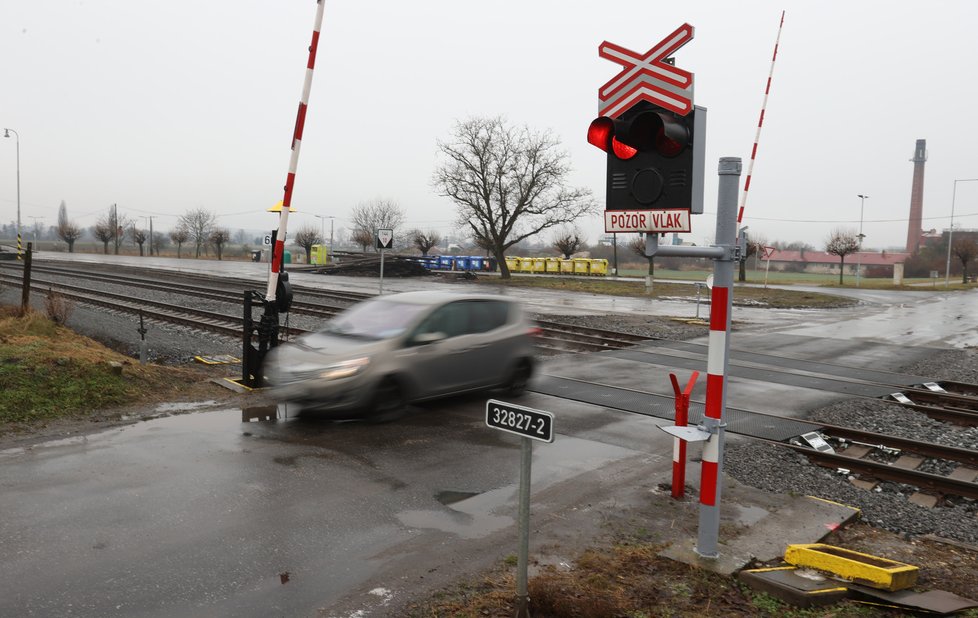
pixel 678 444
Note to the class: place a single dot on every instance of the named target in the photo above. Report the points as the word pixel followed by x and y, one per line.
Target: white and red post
pixel 278 250
pixel 721 301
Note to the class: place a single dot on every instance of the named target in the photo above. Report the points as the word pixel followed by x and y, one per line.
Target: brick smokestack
pixel 915 225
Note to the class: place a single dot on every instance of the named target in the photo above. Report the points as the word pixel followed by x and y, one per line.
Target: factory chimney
pixel 915 224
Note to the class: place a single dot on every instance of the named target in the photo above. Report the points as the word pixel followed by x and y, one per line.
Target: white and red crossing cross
pixel 647 77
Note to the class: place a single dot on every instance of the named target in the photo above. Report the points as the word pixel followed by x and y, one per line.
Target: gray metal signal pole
pixel 725 253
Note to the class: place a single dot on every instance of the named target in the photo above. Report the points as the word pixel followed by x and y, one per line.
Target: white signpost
pixel 385 240
pixel 530 424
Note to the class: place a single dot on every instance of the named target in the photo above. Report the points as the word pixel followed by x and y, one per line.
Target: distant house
pixel 822 262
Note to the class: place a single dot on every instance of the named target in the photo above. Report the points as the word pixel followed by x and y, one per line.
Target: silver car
pixel 379 355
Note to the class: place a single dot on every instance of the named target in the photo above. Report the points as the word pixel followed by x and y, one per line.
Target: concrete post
pixel 721 301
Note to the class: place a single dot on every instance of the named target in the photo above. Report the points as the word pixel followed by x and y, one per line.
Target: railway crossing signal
pixel 652 133
pixel 655 158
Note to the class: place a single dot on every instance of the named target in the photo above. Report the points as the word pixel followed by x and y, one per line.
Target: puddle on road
pixel 450 497
pixel 464 525
pixel 471 515
pixel 185 406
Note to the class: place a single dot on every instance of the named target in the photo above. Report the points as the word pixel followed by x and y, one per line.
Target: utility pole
pixel 36 225
pixel 859 258
pixel 6 133
pixel 150 217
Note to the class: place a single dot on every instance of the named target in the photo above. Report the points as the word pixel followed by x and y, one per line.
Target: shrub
pixel 57 307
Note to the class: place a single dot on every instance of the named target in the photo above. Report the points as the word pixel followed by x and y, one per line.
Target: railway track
pixel 554 338
pixel 951 401
pixel 879 457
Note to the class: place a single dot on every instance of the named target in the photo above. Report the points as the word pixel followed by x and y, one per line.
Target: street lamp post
pixel 331 239
pixel 6 133
pixel 36 226
pixel 950 231
pixel 859 258
pixel 150 217
pixel 322 231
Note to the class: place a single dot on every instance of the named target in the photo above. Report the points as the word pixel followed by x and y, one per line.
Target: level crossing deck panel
pixel 855 373
pixel 659 406
pixel 772 375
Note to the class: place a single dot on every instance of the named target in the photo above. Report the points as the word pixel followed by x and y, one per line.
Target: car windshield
pixel 375 319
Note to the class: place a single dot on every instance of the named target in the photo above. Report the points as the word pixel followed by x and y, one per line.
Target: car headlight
pixel 344 369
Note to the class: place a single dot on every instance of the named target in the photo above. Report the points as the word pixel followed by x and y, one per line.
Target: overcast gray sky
pixel 167 106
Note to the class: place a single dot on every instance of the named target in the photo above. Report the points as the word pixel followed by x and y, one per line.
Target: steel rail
pixel 882 471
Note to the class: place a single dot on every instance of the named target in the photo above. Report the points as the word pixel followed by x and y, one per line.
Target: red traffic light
pixel 601 133
pixel 652 130
pixel 647 131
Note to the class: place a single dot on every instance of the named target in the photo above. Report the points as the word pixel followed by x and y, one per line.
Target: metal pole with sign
pixel 529 424
pixel 385 240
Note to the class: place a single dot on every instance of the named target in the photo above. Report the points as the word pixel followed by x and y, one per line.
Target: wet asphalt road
pixel 203 515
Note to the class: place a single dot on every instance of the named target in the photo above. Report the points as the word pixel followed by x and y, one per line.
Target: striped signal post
pixel 721 301
pixel 278 250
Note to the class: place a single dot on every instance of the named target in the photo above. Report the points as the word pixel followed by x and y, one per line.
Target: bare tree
pixel 842 243
pixel 306 237
pixel 361 237
pixel 160 241
pixel 219 237
pixel 509 183
pixel 179 235
pixel 118 224
pixel 753 248
pixel 637 246
pixel 104 231
pixel 68 231
pixel 423 241
pixel 966 250
pixel 199 224
pixel 568 241
pixel 139 237
pixel 374 215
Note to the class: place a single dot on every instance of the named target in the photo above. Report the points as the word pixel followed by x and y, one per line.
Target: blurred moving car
pixel 381 354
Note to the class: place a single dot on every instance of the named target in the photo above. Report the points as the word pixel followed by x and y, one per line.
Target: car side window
pixel 487 315
pixel 452 319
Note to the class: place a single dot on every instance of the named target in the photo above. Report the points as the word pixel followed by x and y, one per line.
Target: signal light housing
pixel 655 157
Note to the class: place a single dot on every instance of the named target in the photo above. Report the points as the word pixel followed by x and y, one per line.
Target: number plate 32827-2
pixel 522 421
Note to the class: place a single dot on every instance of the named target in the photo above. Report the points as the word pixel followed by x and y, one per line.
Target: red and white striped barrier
pixel 278 251
pixel 760 123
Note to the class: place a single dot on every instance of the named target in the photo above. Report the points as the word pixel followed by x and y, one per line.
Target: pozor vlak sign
pixel 662 221
pixel 654 138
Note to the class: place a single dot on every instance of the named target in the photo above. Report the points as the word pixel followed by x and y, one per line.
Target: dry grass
pixel 49 373
pixel 627 579
pixel 58 308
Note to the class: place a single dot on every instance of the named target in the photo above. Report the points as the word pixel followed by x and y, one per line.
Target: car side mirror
pixel 427 338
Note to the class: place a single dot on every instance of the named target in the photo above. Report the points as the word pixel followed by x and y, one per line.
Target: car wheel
pixel 388 403
pixel 519 379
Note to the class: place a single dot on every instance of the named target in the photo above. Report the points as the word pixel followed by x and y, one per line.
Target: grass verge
pixel 49 372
